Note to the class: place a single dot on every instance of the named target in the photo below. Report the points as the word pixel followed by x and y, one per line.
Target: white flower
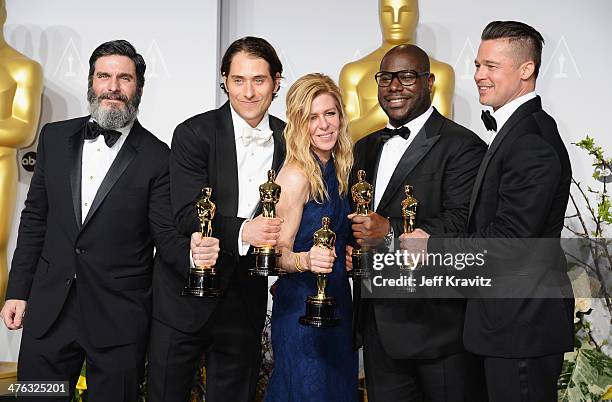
pixel 582 304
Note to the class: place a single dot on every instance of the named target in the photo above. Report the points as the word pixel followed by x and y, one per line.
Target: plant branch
pixel 588 203
pixel 592 247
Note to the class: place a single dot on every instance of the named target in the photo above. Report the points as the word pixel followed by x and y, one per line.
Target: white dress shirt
pixel 97 159
pixel 254 160
pixel 392 152
pixel 503 113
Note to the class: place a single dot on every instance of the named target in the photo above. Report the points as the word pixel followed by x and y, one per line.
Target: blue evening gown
pixel 315 364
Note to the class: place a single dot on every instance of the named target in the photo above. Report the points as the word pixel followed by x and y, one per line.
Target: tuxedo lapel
pixel 372 158
pixel 227 160
pixel 420 146
pixel 75 152
pixel 125 156
pixel 523 111
pixel 277 127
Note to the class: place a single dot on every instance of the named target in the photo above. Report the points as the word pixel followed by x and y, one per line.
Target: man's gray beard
pixel 112 117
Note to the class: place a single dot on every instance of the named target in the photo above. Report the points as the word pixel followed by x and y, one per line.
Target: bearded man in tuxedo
pixel 98 204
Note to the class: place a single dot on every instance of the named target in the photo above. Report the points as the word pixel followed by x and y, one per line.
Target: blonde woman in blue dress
pixel 313 364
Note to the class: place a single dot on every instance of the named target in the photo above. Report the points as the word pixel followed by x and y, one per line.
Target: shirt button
pixel 79 251
pixel 86 204
pixel 98 149
pixel 91 177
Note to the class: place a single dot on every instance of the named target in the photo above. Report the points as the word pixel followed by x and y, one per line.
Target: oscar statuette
pixel 361 193
pixel 202 280
pixel 265 256
pixel 320 311
pixel 409 210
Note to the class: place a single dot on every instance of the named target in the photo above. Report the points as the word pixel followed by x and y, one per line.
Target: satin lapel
pixel 75 152
pixel 523 111
pixel 372 156
pixel 125 156
pixel 420 146
pixel 277 127
pixel 227 164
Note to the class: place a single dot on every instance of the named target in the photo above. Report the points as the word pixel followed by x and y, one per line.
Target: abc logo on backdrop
pixel 28 161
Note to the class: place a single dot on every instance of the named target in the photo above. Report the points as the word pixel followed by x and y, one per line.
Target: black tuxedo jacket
pixel 111 252
pixel 441 164
pixel 204 154
pixel 521 191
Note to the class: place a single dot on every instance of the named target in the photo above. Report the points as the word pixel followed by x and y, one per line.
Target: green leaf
pixel 603 209
pixel 585 376
pixel 587 144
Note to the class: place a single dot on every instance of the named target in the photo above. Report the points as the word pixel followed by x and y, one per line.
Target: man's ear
pixel 430 81
pixel 527 70
pixel 277 82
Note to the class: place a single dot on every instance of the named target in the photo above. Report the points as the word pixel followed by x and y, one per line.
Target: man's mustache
pixel 111 96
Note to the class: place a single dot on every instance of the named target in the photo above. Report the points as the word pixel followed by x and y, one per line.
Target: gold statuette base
pixel 320 312
pixel 410 270
pixel 265 262
pixel 202 282
pixel 362 263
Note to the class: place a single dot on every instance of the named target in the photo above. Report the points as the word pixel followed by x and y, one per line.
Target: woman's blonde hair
pixel 297 137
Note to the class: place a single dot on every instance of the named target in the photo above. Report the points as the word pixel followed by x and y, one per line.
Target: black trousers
pixel 523 380
pixel 455 378
pixel 232 347
pixel 113 373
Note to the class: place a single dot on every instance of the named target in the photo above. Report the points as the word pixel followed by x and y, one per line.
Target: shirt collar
pixel 239 123
pixel 415 125
pixel 503 113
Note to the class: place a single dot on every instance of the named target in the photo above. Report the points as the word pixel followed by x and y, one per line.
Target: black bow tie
pixel 94 130
pixel 388 133
pixel 488 120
